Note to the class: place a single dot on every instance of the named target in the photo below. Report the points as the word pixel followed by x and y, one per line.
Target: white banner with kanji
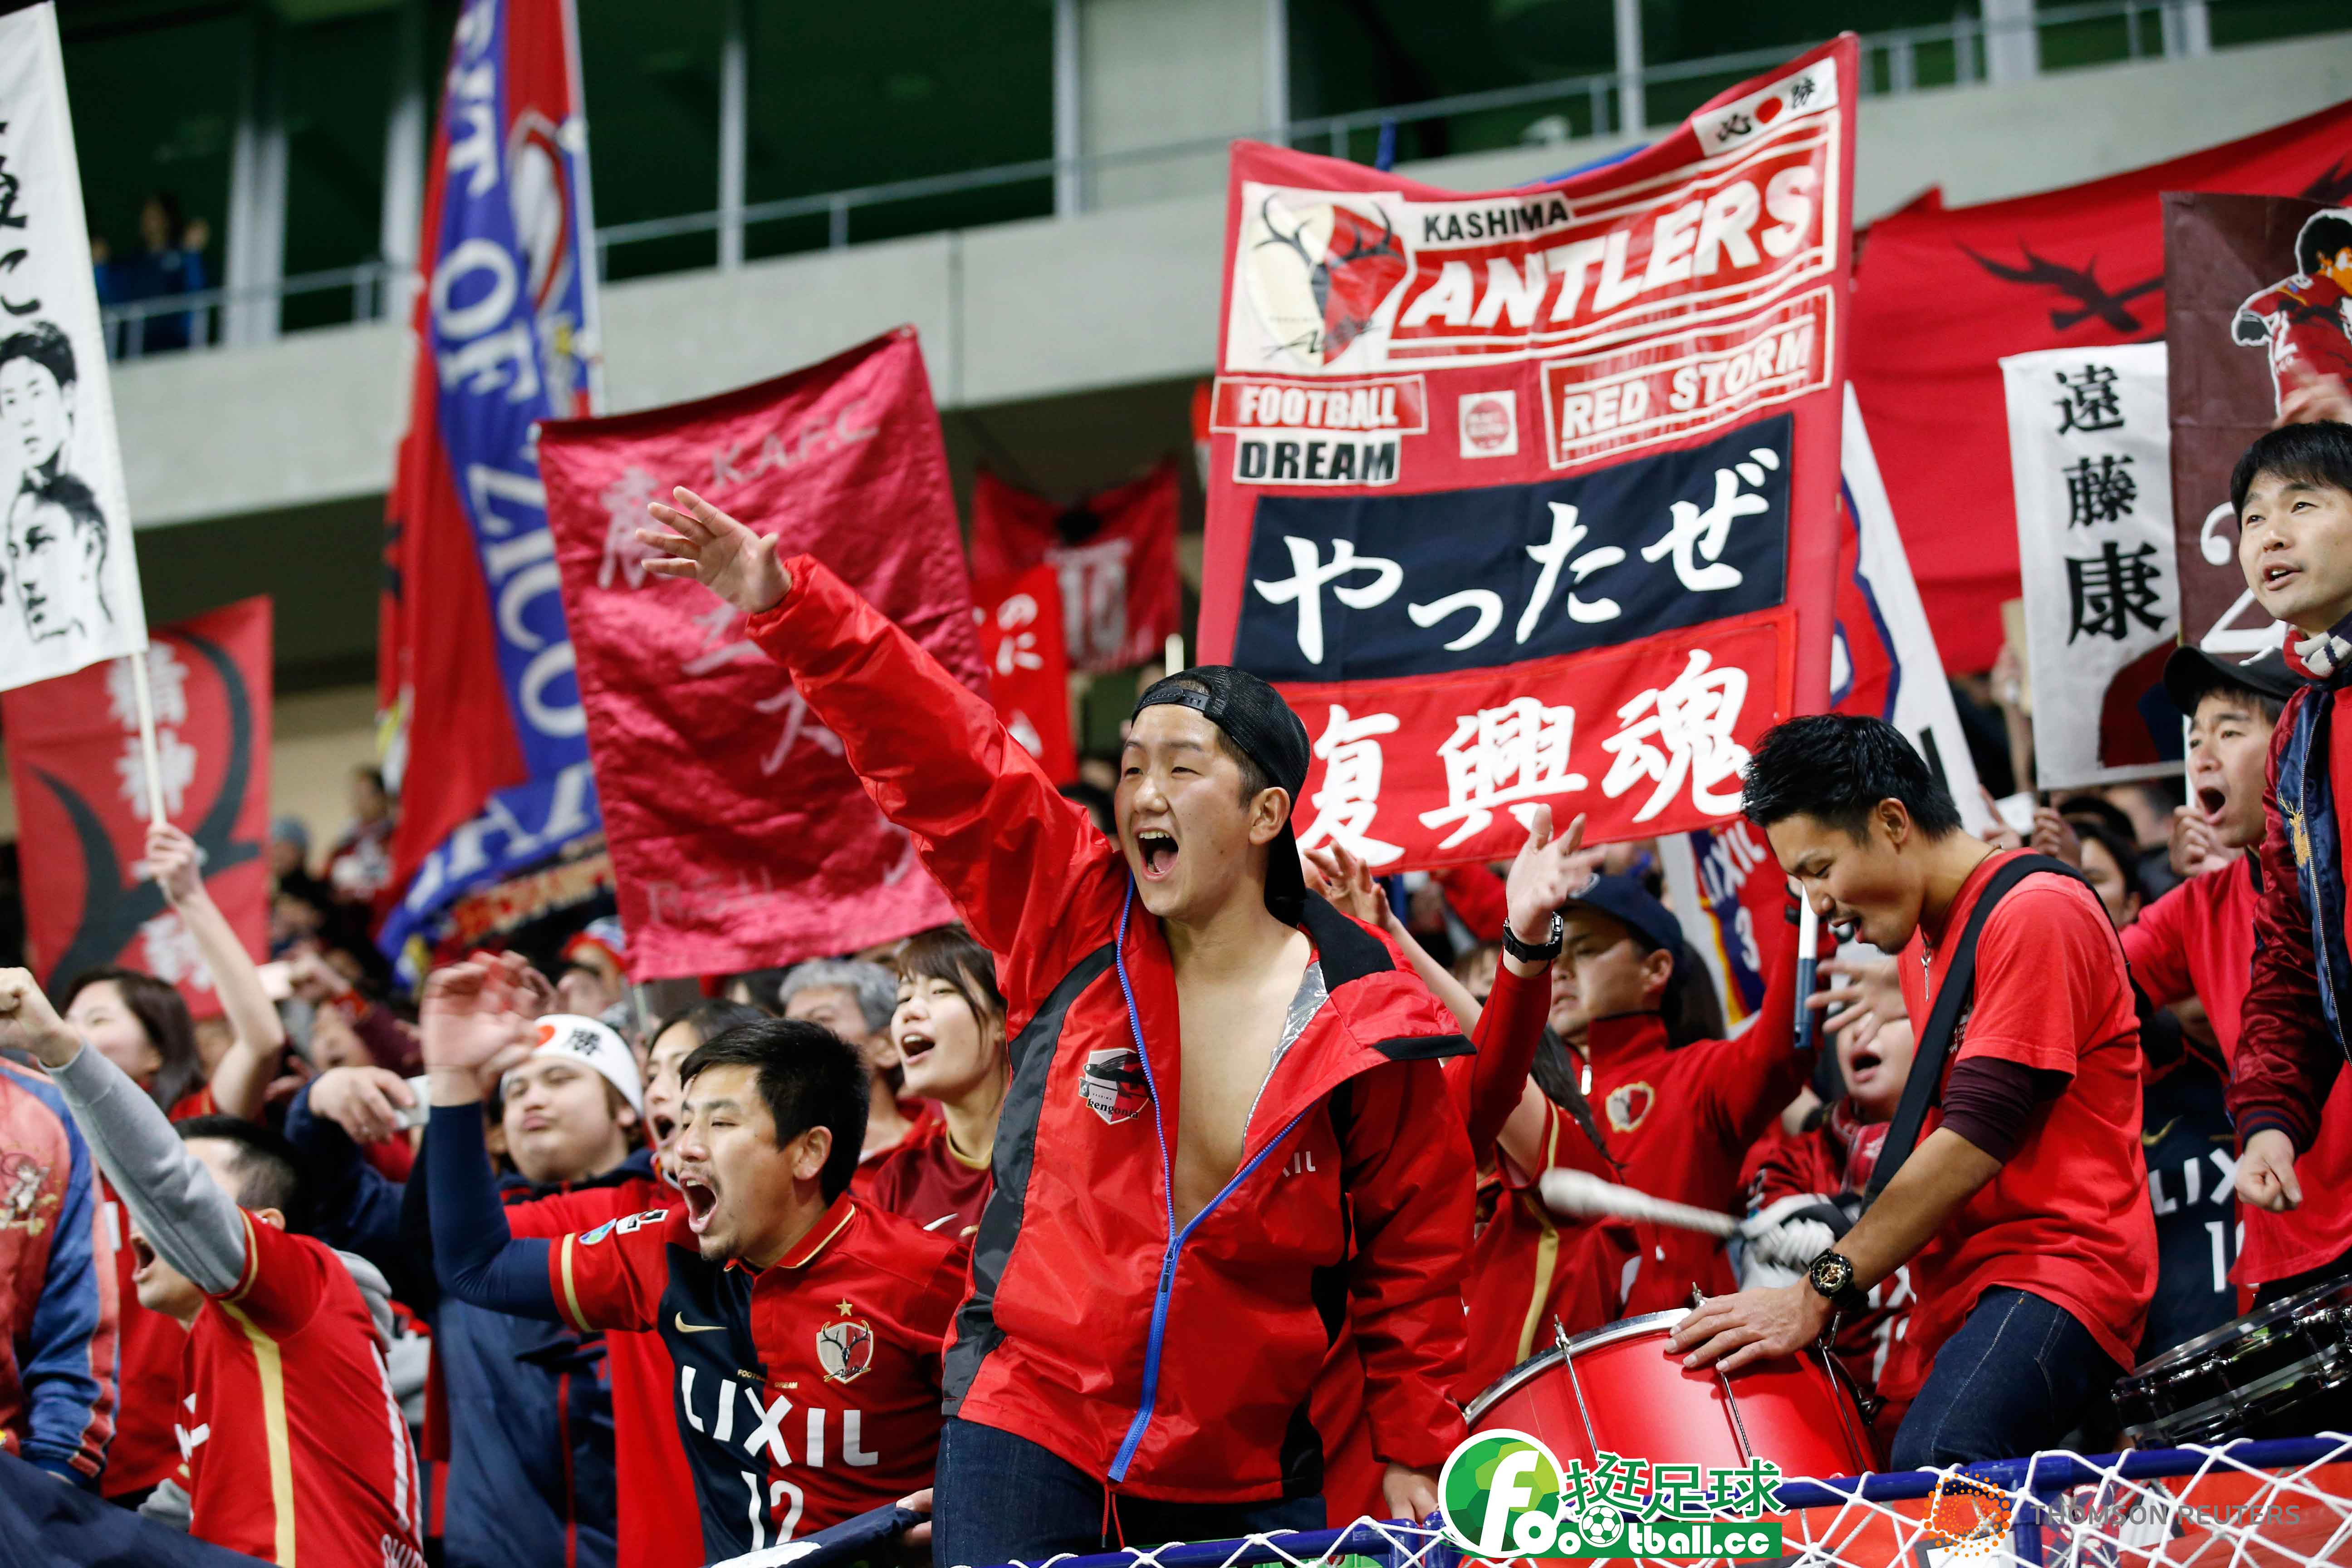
pixel 71 585
pixel 2089 456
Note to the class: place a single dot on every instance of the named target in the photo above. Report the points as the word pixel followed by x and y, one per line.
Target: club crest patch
pixel 1628 1104
pixel 1113 1086
pixel 845 1348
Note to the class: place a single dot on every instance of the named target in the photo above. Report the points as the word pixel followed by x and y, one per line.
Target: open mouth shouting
pixel 914 1045
pixel 2212 800
pixel 665 1128
pixel 701 1199
pixel 142 1257
pixel 1156 848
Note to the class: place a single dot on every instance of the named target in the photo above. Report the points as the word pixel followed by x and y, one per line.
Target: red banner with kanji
pixel 1114 552
pixel 1945 293
pixel 1530 495
pixel 739 837
pixel 1020 621
pixel 82 800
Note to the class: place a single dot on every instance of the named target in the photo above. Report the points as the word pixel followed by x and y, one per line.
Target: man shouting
pixel 1228 1132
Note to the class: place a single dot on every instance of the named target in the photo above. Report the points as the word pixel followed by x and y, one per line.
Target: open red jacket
pixel 1176 1363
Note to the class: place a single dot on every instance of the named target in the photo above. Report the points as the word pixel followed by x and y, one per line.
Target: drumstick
pixel 1585 1196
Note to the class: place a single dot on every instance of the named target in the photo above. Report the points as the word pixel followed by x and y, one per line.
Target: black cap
pixel 1625 900
pixel 1255 718
pixel 2190 673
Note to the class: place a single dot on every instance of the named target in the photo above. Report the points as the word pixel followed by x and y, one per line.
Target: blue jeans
pixel 2018 1374
pixel 1002 1499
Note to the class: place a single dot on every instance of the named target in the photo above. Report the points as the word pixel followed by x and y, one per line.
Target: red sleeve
pixel 2155 946
pixel 559 1214
pixel 1753 1078
pixel 1781 1164
pixel 1411 1184
pixel 1011 852
pixel 1486 1084
pixel 613 1277
pixel 1478 898
pixel 285 1278
pixel 2050 978
pixel 2286 1063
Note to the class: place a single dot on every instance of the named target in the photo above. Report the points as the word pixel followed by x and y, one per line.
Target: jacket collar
pixel 822 1235
pixel 1622 1035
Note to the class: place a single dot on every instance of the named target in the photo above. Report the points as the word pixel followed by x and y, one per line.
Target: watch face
pixel 1831 1274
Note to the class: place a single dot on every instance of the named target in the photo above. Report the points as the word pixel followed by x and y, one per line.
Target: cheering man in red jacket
pixel 1227 1126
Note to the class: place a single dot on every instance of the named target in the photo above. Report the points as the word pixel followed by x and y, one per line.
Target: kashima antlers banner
pixel 739 837
pixel 476 666
pixel 1531 495
pixel 81 799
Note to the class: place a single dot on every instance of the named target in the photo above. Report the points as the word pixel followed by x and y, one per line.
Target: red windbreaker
pixel 1177 1363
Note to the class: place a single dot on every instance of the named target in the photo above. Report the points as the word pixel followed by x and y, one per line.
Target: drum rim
pixel 1591 1340
pixel 2190 1350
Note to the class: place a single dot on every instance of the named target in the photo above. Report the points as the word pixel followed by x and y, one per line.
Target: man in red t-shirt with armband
pixel 2024 1213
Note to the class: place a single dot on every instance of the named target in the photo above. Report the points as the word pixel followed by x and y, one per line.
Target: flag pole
pixel 147 748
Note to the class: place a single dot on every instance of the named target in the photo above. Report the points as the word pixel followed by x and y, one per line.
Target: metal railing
pixel 1892 63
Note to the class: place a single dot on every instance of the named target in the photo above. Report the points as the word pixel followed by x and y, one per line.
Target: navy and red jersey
pixel 807 1391
pixel 58 1296
pixel 296 1448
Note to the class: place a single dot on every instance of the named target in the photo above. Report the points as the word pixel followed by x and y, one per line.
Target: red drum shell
pixel 1642 1403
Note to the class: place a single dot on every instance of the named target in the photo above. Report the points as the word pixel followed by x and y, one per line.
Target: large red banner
pixel 1530 495
pixel 81 799
pixel 739 836
pixel 1114 552
pixel 1945 292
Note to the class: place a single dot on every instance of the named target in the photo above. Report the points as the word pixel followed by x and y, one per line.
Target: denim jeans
pixel 2018 1375
pixel 1002 1499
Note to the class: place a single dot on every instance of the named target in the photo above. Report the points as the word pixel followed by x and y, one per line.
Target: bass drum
pixel 1623 1390
pixel 2284 1371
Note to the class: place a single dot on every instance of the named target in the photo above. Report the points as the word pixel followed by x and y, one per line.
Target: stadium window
pixel 337 95
pixel 650 74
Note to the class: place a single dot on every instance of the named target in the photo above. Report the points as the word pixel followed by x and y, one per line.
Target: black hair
pixel 809 1076
pixel 76 500
pixel 269 1170
pixel 1690 1010
pixel 2323 234
pixel 709 1018
pixel 2119 848
pixel 164 1013
pixel 952 955
pixel 1098 802
pixel 2272 708
pixel 1837 767
pixel 1255 780
pixel 2316 454
pixel 2085 810
pixel 46 346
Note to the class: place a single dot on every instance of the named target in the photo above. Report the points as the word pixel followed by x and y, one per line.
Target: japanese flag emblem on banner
pixel 1531 497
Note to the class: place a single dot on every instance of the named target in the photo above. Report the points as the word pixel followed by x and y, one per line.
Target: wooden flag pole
pixel 147 748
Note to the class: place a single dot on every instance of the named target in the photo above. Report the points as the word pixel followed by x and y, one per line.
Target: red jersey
pixel 2198 941
pixel 145 1452
pixel 297 1451
pixel 2308 328
pixel 2067 1218
pixel 926 1180
pixel 806 1392
pixel 1837 1156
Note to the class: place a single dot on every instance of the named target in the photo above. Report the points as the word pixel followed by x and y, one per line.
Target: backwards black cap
pixel 1255 718
pixel 2191 675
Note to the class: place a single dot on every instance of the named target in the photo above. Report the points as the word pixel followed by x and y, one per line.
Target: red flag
pixel 82 800
pixel 1944 293
pixel 1020 621
pixel 1531 495
pixel 739 837
pixel 1115 552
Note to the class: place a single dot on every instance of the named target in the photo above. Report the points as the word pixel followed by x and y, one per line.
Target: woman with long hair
pixel 948 1032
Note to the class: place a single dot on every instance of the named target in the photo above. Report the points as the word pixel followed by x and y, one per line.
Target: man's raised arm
pixel 933 754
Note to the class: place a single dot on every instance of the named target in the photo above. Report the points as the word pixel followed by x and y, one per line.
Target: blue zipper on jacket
pixel 1152 1342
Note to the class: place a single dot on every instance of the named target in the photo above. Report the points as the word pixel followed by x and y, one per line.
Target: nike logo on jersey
pixel 678 1318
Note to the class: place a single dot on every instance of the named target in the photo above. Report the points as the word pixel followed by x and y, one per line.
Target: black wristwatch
pixel 1543 953
pixel 1832 1276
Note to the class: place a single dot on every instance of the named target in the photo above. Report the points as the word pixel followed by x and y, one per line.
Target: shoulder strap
pixel 1926 1081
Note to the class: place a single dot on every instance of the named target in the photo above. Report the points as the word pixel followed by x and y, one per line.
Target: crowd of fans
pixel 1189 1186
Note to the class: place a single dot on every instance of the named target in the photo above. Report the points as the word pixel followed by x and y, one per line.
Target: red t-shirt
pixel 2198 940
pixel 297 1452
pixel 2067 1218
pixel 807 1391
pixel 926 1180
pixel 144 1453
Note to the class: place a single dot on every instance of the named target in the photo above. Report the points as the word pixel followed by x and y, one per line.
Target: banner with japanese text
pixel 1114 552
pixel 71 590
pixel 1020 631
pixel 80 788
pixel 1941 294
pixel 489 749
pixel 739 837
pixel 2256 288
pixel 2089 456
pixel 1531 495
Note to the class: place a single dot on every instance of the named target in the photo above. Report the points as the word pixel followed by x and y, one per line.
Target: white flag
pixel 2090 453
pixel 68 582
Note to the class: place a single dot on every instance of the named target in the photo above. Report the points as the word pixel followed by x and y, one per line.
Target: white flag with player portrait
pixel 68 582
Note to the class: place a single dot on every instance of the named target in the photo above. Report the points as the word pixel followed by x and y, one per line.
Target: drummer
pixel 2023 1213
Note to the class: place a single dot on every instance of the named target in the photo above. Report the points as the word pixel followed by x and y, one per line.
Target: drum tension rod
pixel 1567 1359
pixel 1730 1400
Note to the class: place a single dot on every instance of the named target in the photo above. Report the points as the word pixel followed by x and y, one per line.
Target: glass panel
pixel 337 96
pixel 652 81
